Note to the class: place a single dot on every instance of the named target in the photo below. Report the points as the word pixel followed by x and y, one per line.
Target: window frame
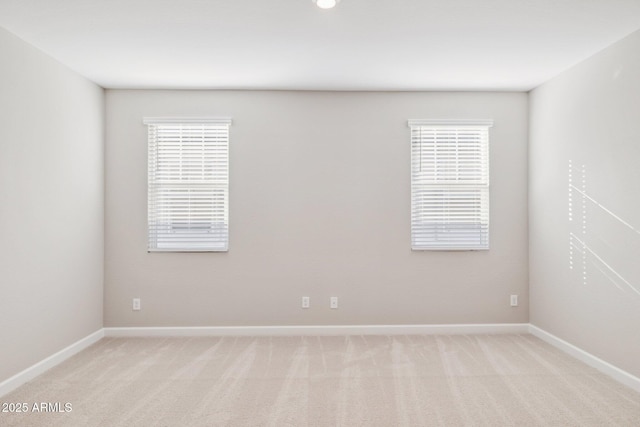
pixel 189 233
pixel 472 195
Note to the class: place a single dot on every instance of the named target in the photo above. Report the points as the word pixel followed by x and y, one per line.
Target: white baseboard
pixel 39 368
pixel 326 330
pixel 605 367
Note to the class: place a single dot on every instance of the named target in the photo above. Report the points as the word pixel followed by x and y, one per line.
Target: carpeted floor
pixel 477 380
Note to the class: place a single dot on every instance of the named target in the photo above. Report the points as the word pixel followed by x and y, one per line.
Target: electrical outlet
pixel 136 304
pixel 305 302
pixel 333 303
pixel 514 300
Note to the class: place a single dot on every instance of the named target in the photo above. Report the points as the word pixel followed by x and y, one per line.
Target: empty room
pixel 319 213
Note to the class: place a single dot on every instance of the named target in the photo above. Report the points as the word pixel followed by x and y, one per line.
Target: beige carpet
pixel 479 380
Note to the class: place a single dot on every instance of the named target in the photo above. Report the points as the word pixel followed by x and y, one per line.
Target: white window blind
pixel 188 184
pixel 449 185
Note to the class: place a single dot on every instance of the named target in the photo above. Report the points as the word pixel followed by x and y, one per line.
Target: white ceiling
pixel 292 44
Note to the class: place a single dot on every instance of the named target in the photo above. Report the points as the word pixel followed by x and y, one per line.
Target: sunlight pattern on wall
pixel 582 239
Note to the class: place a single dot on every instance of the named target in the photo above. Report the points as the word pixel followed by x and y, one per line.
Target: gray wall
pixel 319 206
pixel 589 116
pixel 51 206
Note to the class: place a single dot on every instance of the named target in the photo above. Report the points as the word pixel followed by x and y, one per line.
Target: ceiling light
pixel 326 4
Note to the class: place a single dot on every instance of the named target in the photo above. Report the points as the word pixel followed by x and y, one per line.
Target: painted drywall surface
pixel 51 206
pixel 584 269
pixel 319 207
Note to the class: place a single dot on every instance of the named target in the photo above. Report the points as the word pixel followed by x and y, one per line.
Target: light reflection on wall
pixel 590 242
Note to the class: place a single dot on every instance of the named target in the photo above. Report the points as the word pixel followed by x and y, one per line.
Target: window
pixel 449 185
pixel 188 185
